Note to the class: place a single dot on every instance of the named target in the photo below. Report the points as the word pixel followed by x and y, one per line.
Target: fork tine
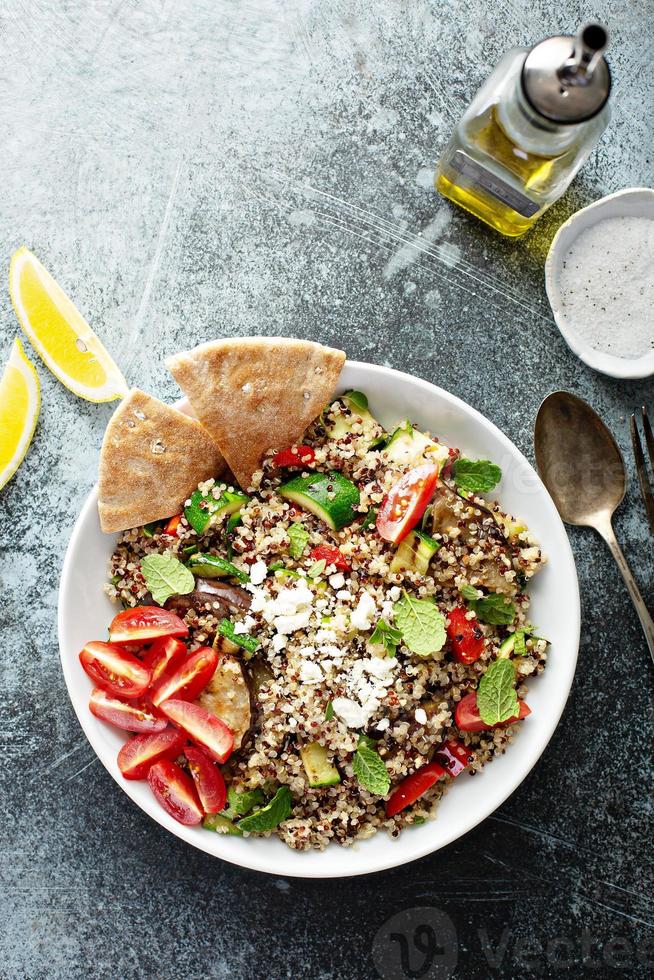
pixel 649 437
pixel 641 469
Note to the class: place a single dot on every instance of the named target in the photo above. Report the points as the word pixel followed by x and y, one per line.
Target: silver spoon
pixel 581 465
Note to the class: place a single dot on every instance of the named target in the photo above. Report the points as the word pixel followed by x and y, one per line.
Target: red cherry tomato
pixel 164 656
pixel 171 527
pixel 134 717
pixel 190 678
pixel 332 555
pixel 302 456
pixel 465 635
pixel 203 728
pixel 114 670
pixel 144 623
pixel 406 502
pixel 453 756
pixel 208 780
pixel 175 792
pixel 413 787
pixel 142 751
pixel 468 719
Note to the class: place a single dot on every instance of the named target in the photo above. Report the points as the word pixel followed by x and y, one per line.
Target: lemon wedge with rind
pixel 20 401
pixel 60 334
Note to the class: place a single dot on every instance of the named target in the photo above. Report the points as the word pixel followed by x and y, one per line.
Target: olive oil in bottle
pixel 528 130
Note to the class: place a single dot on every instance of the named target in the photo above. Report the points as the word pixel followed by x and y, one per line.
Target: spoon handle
pixel 646 621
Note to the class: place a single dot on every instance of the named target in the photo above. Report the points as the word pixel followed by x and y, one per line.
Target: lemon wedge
pixel 59 332
pixel 20 400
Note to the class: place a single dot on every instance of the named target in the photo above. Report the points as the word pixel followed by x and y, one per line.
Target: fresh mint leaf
pixel 418 821
pixel 520 646
pixel 165 576
pixel 240 803
pixel 248 643
pixel 476 476
pixel 496 697
pixel 358 399
pixel 421 624
pixel 269 816
pixel 495 609
pixel 299 538
pixel 317 568
pixel 329 711
pixel 386 636
pixel 370 770
pixel 469 593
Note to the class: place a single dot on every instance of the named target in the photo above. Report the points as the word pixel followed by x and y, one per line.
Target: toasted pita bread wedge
pixel 152 458
pixel 256 393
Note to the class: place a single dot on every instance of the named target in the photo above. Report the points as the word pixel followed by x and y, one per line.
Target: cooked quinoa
pixel 315 676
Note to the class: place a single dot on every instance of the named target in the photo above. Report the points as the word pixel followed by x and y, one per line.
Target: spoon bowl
pixel 579 461
pixel 581 465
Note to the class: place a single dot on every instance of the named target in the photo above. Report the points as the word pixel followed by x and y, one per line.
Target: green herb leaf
pixel 476 476
pixel 417 821
pixel 370 519
pixel 249 643
pixel 276 566
pixel 240 803
pixel 370 770
pixel 495 609
pixel 269 816
pixel 358 399
pixel 469 593
pixel 520 646
pixel 386 636
pixel 299 538
pixel 317 568
pixel 496 697
pixel 329 711
pixel 421 624
pixel 370 743
pixel 166 576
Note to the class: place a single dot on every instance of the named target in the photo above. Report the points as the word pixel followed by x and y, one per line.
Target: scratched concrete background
pixel 193 168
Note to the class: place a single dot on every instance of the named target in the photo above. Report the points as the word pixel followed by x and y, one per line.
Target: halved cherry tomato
pixel 164 656
pixel 332 555
pixel 190 678
pixel 144 623
pixel 134 717
pixel 468 719
pixel 208 780
pixel 142 751
pixel 171 527
pixel 203 728
pixel 294 456
pixel 406 502
pixel 175 792
pixel 453 756
pixel 411 788
pixel 114 670
pixel 465 635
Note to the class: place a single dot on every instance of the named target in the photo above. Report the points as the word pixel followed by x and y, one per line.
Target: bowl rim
pixel 609 364
pixel 255 859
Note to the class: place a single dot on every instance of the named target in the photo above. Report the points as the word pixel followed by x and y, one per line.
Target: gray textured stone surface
pixel 188 168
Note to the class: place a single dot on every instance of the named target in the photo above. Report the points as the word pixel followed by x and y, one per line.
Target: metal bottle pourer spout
pixel 591 41
pixel 566 79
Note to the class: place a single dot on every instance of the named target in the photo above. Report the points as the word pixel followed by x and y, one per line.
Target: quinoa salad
pixel 321 654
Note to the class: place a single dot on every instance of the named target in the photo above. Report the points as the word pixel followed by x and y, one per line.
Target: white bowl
pixel 633 201
pixel 85 612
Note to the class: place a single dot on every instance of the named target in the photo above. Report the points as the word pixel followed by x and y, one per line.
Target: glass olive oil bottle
pixel 529 129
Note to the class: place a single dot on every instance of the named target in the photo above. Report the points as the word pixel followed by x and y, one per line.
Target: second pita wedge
pixel 256 393
pixel 152 458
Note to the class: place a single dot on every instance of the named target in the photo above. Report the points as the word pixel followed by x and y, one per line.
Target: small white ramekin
pixel 633 201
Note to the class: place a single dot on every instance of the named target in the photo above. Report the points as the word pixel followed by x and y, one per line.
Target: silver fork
pixel 641 465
